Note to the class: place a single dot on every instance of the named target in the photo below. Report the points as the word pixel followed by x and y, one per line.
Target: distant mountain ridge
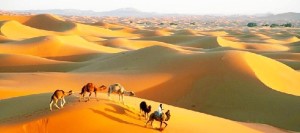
pixel 122 12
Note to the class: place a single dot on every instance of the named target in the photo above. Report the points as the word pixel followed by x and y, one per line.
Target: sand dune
pixel 274 74
pixel 101 116
pixel 55 46
pixel 20 60
pixel 90 30
pixel 227 80
pixel 137 44
pixel 284 55
pixel 110 26
pixel 186 32
pixel 203 42
pixel 258 81
pixel 19 18
pixel 14 30
pixel 147 33
pixel 50 23
pixel 28 63
pixel 215 33
pixel 262 47
pixel 4 39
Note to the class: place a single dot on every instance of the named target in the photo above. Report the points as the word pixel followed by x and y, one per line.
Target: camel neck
pixel 126 92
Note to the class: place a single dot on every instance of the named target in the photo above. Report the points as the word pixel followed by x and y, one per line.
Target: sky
pixel 161 6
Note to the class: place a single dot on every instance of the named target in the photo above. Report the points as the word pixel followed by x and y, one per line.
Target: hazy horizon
pixel 167 6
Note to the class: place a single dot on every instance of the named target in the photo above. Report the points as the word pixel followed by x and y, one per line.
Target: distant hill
pixel 284 16
pixel 123 12
pixel 68 12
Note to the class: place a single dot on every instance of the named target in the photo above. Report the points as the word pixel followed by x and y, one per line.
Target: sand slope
pixel 101 116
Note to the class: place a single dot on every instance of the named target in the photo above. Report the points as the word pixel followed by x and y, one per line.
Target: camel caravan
pixel 117 88
pixel 90 88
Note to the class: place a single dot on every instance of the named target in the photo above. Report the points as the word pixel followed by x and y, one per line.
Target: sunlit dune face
pixel 274 74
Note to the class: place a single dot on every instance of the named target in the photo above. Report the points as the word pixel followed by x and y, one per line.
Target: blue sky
pixel 161 6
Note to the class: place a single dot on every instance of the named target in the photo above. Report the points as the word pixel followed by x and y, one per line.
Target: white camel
pixel 119 89
pixel 59 95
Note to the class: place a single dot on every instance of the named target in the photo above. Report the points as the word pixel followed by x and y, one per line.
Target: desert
pixel 221 77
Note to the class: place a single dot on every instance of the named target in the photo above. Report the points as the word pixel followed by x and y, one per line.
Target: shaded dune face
pixel 242 75
pixel 49 22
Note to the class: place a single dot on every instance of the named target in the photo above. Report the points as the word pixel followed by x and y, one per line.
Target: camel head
pixel 149 108
pixel 70 92
pixel 103 87
pixel 168 115
pixel 131 93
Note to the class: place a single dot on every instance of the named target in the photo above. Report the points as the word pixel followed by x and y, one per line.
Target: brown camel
pixel 119 89
pixel 89 88
pixel 59 95
pixel 165 117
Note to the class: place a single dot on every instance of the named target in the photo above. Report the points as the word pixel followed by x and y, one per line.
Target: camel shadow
pixel 122 110
pixel 114 118
pixel 119 109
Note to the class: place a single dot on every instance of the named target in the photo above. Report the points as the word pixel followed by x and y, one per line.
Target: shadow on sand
pixel 122 110
pixel 114 118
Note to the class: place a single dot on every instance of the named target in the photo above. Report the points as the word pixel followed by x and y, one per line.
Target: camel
pixel 118 88
pixel 165 117
pixel 89 88
pixel 59 95
pixel 144 108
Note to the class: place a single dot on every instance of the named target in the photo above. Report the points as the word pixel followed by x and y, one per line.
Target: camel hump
pixel 90 84
pixel 117 84
pixel 113 86
pixel 59 91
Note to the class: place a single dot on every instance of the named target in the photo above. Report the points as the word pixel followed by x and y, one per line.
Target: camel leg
pixel 90 96
pixel 56 104
pixel 108 96
pixel 122 96
pixel 61 103
pixel 51 105
pixel 141 112
pixel 96 96
pixel 161 124
pixel 108 93
pixel 146 116
pixel 64 101
pixel 152 123
pixel 82 96
pixel 147 122
pixel 166 124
